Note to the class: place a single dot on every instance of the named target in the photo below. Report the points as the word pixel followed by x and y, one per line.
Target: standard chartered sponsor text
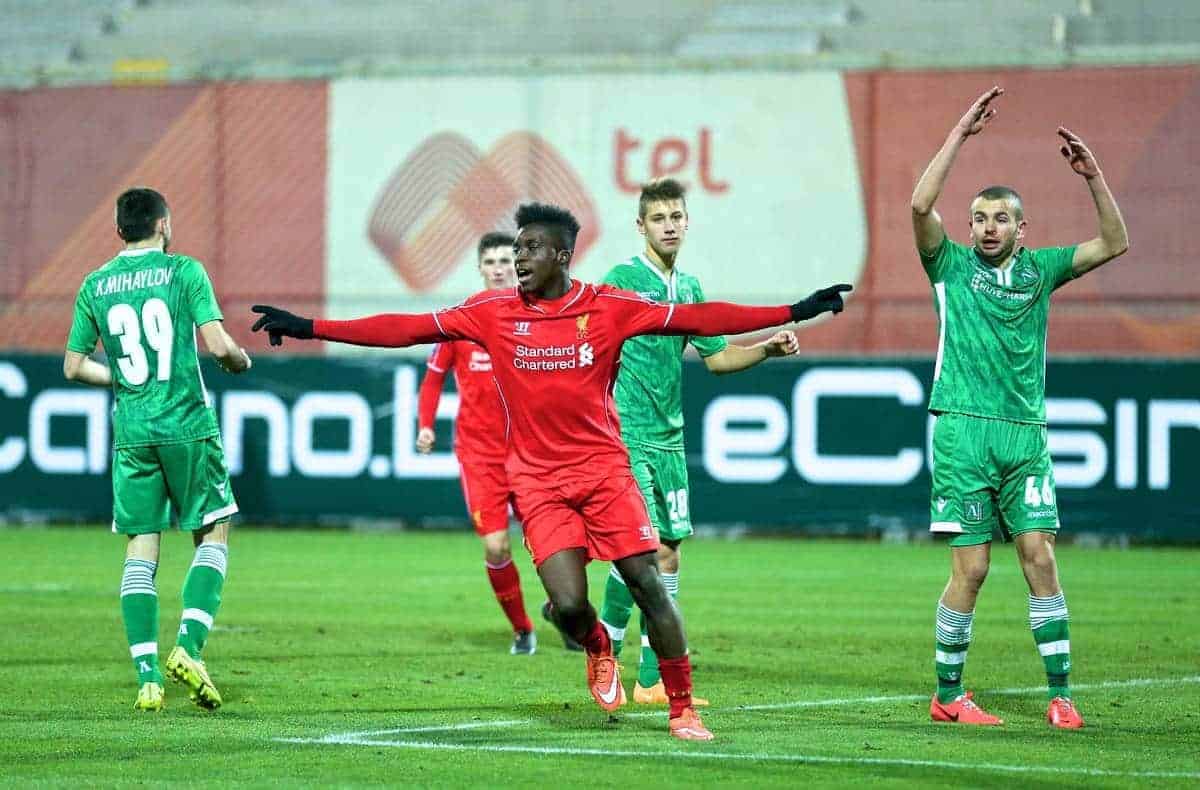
pixel 545 358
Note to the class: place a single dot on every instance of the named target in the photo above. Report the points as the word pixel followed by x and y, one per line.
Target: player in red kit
pixel 555 344
pixel 479 442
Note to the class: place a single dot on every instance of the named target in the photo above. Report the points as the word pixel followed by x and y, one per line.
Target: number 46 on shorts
pixel 1039 491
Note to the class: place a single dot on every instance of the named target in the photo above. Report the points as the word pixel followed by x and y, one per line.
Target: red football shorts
pixel 605 516
pixel 486 492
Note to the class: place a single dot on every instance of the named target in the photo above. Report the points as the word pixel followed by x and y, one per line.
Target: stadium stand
pixel 76 40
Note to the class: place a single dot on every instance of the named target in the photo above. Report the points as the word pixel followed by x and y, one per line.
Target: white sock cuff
pixel 613 631
pixel 212 555
pixel 143 649
pixel 138 578
pixel 951 627
pixel 1047 609
pixel 198 615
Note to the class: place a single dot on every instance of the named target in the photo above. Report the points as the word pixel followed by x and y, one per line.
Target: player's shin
pixel 617 609
pixel 1049 621
pixel 648 669
pixel 953 637
pixel 202 596
pixel 139 609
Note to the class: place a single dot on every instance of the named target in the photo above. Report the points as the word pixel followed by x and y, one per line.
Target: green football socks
pixel 1049 622
pixel 952 635
pixel 202 596
pixel 139 609
pixel 616 610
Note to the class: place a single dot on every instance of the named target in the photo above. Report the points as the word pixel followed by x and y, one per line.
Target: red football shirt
pixel 479 428
pixel 555 362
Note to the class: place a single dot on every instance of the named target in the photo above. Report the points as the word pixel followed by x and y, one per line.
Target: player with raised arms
pixel 649 396
pixel 991 464
pixel 479 442
pixel 554 342
pixel 144 306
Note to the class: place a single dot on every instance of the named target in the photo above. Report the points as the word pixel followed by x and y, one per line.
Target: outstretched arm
pixel 1114 238
pixel 927 225
pixel 393 330
pixel 733 358
pixel 724 318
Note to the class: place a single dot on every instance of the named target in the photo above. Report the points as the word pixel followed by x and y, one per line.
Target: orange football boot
pixel 604 681
pixel 688 727
pixel 962 711
pixel 1063 714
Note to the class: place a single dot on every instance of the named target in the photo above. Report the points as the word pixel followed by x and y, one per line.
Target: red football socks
pixel 506 583
pixel 597 642
pixel 677 680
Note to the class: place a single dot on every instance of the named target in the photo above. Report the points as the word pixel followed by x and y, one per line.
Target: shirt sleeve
pixel 937 261
pixel 441 359
pixel 636 316
pixel 440 362
pixel 706 346
pixel 1057 262
pixel 390 330
pixel 464 322
pixel 84 332
pixel 201 299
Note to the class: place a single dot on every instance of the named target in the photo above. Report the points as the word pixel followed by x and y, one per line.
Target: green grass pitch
pixel 324 636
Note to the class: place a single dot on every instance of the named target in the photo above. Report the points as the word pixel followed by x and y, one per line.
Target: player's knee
pixel 571 609
pixel 1039 563
pixel 647 589
pixel 972 574
pixel 497 556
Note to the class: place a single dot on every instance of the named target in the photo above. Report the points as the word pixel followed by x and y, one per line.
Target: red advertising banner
pixel 247 169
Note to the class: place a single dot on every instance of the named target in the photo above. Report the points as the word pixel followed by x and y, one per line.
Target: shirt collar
pixel 139 251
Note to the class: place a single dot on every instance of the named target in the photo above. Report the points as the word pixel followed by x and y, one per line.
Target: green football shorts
pixel 990 476
pixel 191 476
pixel 662 477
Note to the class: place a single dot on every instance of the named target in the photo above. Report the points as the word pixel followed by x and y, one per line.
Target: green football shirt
pixel 991 357
pixel 144 307
pixel 649 388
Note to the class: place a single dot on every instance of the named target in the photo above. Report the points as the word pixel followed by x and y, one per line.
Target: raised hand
pixel 278 324
pixel 980 113
pixel 782 344
pixel 1078 156
pixel 826 300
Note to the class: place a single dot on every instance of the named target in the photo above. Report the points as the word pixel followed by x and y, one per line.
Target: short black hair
pixel 138 211
pixel 1003 193
pixel 494 239
pixel 563 221
pixel 658 190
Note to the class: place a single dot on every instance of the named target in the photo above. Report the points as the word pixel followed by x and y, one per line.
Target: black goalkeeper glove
pixel 826 300
pixel 279 324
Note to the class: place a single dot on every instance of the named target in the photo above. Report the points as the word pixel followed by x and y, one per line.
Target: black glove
pixel 826 300
pixel 279 324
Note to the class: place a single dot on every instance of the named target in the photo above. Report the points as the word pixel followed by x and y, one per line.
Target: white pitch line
pixel 813 759
pixel 474 725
